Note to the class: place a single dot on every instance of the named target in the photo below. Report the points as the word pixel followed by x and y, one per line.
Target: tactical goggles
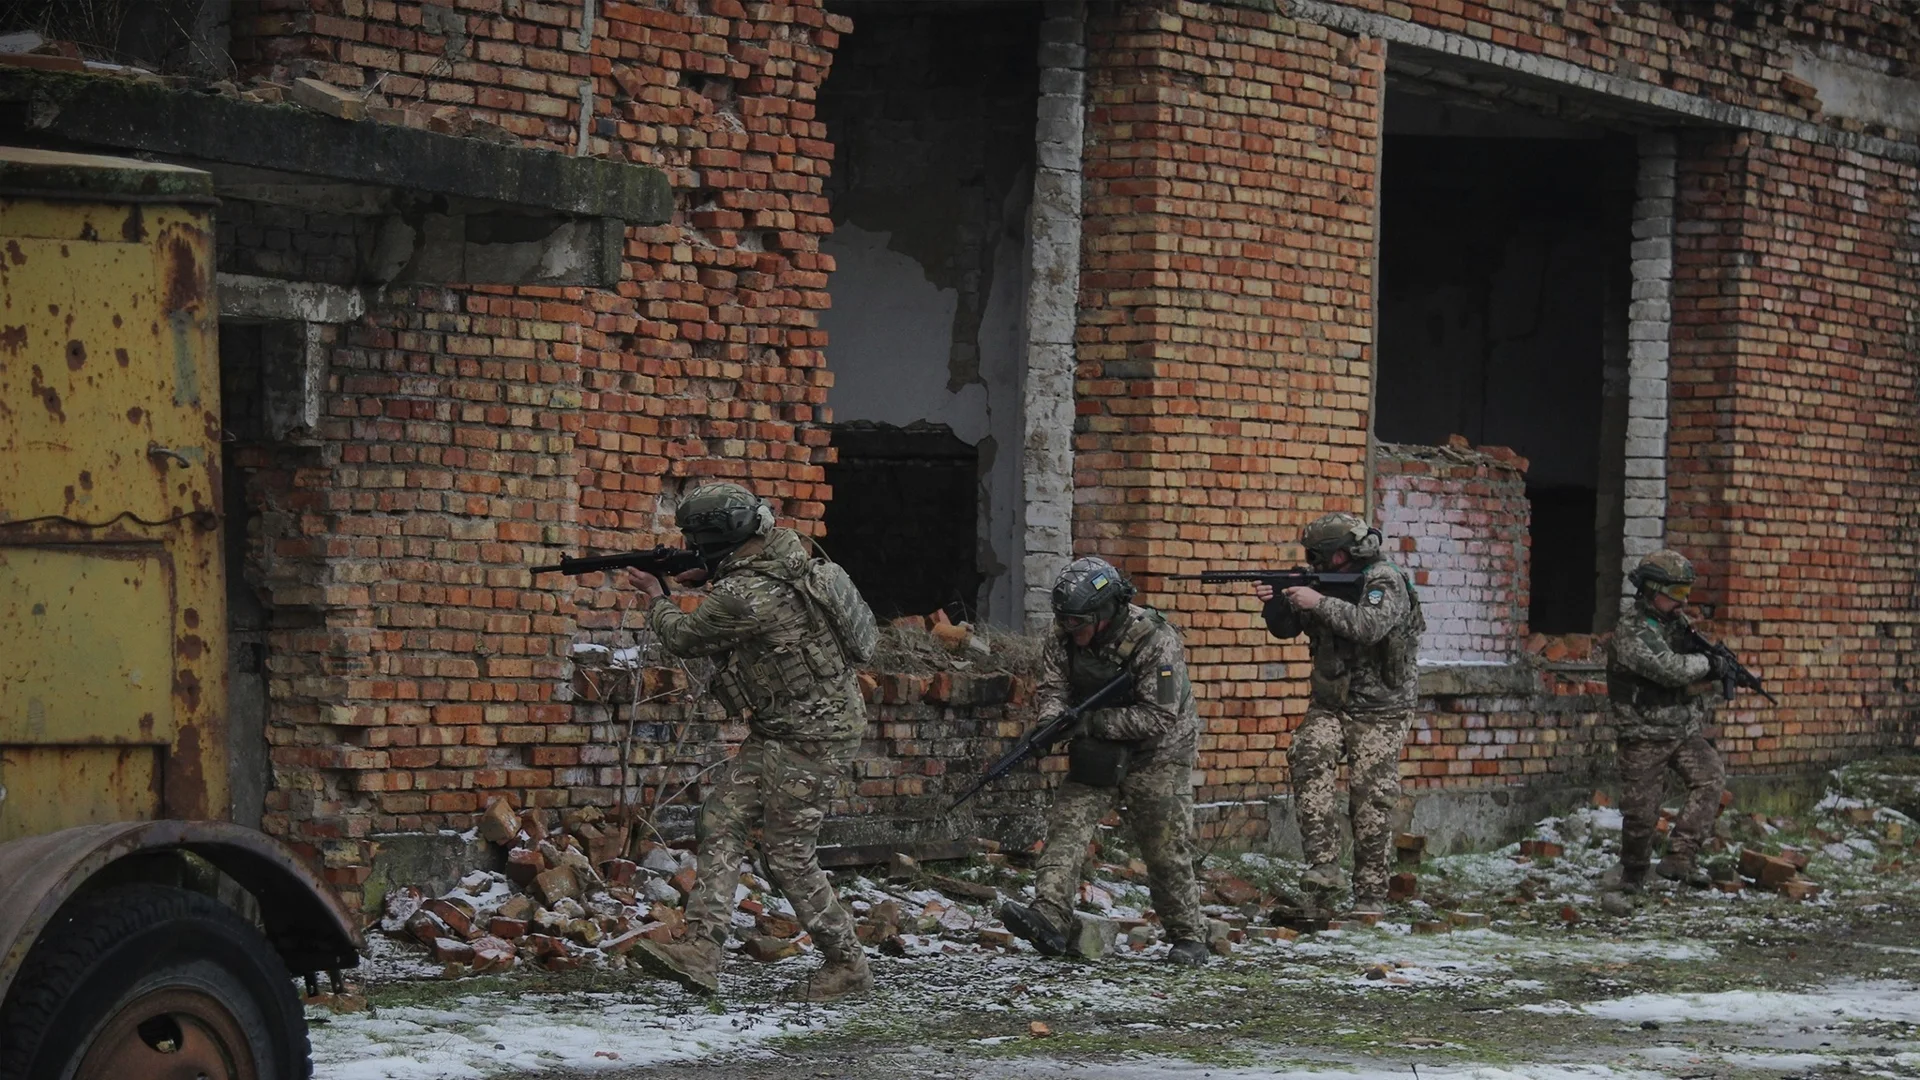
pixel 1075 622
pixel 1678 591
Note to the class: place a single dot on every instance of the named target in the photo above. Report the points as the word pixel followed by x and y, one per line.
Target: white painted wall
pixel 889 335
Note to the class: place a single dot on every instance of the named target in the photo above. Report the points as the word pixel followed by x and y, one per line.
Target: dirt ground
pixel 1688 984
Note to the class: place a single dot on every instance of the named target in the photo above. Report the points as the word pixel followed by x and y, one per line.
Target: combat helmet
pixel 1330 533
pixel 1088 590
pixel 1664 571
pixel 717 518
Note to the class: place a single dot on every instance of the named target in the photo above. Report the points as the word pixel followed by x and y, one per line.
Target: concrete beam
pixel 1657 104
pixel 123 115
pixel 243 296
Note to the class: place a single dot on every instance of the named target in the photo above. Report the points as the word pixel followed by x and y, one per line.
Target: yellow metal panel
pixel 112 594
pixel 48 788
pixel 96 625
pixel 105 390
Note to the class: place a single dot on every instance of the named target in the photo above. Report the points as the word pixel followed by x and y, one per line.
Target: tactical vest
pixel 1636 691
pixel 1091 668
pixel 792 661
pixel 1402 647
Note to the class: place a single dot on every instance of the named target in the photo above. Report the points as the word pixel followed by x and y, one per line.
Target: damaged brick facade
pixel 1224 388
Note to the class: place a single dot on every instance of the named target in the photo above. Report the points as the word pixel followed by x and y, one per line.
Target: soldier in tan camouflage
pixel 781 669
pixel 1661 700
pixel 1139 755
pixel 1364 683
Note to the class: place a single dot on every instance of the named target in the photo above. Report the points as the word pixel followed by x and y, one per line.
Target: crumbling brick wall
pixel 417 670
pixel 1456 519
pixel 1224 364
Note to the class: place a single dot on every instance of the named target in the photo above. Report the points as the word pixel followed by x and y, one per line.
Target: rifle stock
pixel 1046 735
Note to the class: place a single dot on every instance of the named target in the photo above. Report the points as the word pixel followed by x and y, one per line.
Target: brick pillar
pixel 1793 455
pixel 1226 327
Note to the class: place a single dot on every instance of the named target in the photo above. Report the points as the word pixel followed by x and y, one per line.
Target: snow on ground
pixel 1837 1003
pixel 493 1035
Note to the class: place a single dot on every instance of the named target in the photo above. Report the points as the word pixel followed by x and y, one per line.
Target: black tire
pixel 108 959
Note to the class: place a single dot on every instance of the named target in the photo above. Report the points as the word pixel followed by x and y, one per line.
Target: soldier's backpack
pixel 833 594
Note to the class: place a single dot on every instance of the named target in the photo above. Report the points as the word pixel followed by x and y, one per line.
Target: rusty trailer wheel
pixel 173 1034
pixel 148 982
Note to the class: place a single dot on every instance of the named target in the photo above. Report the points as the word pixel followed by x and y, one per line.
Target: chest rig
pixel 792 662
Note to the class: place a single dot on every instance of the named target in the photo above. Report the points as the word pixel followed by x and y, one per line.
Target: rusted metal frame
pixel 305 923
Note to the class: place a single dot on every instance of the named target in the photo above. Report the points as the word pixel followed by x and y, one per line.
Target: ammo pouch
pixel 1100 763
pixel 1626 688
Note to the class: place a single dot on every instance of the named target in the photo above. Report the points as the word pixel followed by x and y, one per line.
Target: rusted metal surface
pixel 38 874
pixel 111 588
pixel 169 1033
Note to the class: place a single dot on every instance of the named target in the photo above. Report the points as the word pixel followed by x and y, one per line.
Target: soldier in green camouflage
pixel 1139 755
pixel 1364 683
pixel 781 669
pixel 1661 700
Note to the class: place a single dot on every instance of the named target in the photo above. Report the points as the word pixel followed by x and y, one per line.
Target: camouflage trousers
pixel 781 787
pixel 1156 804
pixel 1372 743
pixel 1643 779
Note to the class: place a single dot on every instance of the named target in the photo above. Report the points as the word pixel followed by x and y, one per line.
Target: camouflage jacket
pixel 1162 721
pixel 1656 690
pixel 779 666
pixel 1365 654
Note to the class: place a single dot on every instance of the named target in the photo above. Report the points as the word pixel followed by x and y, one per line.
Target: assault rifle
pixel 1044 736
pixel 662 562
pixel 1733 673
pixel 1340 584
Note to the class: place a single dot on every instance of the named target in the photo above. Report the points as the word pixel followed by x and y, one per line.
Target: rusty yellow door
pixel 112 608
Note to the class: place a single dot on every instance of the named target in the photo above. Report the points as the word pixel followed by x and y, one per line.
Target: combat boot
pixel 1374 905
pixel 1035 928
pixel 694 964
pixel 1188 954
pixel 1323 885
pixel 1683 870
pixel 836 979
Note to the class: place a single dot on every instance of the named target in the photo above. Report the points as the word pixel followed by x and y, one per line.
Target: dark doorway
pixel 902 516
pixel 1502 262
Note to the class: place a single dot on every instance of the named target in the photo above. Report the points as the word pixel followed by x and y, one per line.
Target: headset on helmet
pixel 717 518
pixel 1665 571
pixel 1332 533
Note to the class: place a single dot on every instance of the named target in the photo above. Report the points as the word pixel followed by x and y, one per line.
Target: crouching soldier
pixel 1138 755
pixel 1364 682
pixel 782 668
pixel 1661 696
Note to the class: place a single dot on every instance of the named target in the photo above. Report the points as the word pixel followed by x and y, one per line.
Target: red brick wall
pixel 1456 519
pixel 418 669
pixel 1793 445
pixel 1225 358
pixel 1224 330
pixel 1725 51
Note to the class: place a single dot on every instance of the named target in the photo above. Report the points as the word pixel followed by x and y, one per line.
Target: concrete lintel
pixel 1478 680
pixel 243 296
pixel 1658 104
pixel 99 112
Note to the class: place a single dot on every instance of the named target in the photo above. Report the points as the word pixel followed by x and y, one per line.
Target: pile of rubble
pixel 568 896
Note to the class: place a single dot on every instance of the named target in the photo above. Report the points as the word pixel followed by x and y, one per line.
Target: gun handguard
pixel 1338 583
pixel 1737 676
pixel 1046 735
pixel 662 562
